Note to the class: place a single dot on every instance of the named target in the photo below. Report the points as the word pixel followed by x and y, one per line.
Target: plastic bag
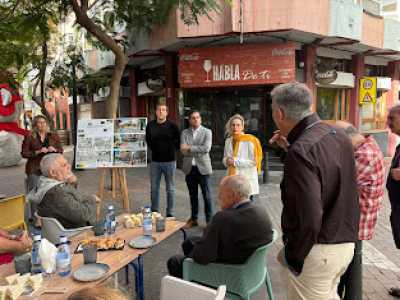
pixel 47 253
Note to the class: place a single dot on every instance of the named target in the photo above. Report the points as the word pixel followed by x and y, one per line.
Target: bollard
pixel 265 168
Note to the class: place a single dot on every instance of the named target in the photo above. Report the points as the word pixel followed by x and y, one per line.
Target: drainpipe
pixel 241 21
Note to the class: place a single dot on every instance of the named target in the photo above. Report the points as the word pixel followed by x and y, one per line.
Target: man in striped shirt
pixel 370 184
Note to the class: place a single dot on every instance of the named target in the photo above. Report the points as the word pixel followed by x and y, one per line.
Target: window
pixel 332 104
pixel 373 116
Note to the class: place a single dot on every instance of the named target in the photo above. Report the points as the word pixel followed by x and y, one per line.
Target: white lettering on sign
pixel 285 73
pixel 250 75
pixel 190 57
pixel 226 72
pixel 282 52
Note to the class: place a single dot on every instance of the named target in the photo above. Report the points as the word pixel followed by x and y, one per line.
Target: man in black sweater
pixel 233 234
pixel 163 138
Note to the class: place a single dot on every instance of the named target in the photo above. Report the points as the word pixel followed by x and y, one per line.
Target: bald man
pixel 370 185
pixel 233 234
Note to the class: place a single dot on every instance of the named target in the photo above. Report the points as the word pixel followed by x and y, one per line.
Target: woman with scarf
pixel 242 153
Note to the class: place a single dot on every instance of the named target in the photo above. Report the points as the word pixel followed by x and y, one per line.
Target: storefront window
pixel 217 106
pixel 332 104
pixel 373 116
pixel 326 104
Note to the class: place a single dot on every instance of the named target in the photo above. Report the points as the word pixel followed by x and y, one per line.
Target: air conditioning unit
pixel 144 90
pixel 103 92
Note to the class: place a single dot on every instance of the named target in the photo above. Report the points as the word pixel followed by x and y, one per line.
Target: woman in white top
pixel 242 153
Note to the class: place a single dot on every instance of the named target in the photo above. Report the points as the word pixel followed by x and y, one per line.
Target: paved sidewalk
pixel 381 258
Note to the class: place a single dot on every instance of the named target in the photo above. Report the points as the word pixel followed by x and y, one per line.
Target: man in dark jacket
pixel 393 184
pixel 233 234
pixel 56 197
pixel 320 213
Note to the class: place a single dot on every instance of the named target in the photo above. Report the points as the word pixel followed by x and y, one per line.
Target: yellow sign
pixel 367 90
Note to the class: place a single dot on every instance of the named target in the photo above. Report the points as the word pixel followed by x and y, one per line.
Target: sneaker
pixel 170 217
pixel 191 223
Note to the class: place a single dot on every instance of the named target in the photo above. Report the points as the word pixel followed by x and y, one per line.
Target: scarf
pixel 258 155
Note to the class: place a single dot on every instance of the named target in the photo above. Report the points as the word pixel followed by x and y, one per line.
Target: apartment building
pixel 230 62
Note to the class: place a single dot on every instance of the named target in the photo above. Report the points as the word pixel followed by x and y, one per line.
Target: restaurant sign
pixel 237 65
pixel 326 77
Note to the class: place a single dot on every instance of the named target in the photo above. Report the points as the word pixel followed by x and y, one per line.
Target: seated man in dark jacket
pixel 233 234
pixel 56 197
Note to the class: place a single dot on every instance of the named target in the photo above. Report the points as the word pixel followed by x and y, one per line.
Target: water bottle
pixel 147 221
pixel 36 266
pixel 63 258
pixel 110 220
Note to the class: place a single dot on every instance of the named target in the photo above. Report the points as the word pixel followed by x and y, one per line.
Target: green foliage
pixel 144 15
pixel 61 75
pixel 24 26
pixel 92 82
pixel 147 14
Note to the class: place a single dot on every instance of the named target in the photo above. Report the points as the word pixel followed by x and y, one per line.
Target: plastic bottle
pixel 110 220
pixel 147 221
pixel 36 266
pixel 63 258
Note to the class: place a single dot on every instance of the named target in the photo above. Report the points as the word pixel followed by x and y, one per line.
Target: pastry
pixel 119 243
pixel 110 243
pixel 102 244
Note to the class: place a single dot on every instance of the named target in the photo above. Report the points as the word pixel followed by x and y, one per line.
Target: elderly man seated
pixel 233 234
pixel 56 197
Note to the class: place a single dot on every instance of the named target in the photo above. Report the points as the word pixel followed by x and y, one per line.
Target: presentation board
pixel 111 143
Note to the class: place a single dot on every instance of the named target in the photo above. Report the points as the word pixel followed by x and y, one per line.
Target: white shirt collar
pixel 240 203
pixel 195 129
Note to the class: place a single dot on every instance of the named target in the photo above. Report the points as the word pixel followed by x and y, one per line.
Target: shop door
pixel 217 106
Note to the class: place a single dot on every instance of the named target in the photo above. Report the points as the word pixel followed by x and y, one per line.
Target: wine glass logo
pixel 207 66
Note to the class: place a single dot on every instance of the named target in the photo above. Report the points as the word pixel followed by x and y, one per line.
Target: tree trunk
pixel 80 10
pixel 42 80
pixel 113 98
pixel 75 112
pixel 43 73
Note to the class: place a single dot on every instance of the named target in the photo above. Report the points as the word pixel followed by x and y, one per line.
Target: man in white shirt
pixel 195 146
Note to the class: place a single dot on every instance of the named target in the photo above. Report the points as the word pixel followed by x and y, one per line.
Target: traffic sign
pixel 367 90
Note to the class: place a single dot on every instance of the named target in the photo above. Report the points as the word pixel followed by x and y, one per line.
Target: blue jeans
pixel 168 169
pixel 193 180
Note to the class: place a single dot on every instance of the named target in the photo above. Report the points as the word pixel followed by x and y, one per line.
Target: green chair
pixel 241 281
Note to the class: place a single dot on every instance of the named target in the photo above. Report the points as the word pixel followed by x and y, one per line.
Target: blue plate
pixel 142 242
pixel 91 272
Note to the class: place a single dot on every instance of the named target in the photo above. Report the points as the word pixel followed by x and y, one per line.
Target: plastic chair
pixel 242 281
pixel 52 229
pixel 13 213
pixel 173 288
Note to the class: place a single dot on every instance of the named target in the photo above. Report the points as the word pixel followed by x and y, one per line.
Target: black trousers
pixel 175 263
pixel 193 180
pixel 350 286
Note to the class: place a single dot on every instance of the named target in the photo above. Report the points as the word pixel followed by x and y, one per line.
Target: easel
pixel 118 179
